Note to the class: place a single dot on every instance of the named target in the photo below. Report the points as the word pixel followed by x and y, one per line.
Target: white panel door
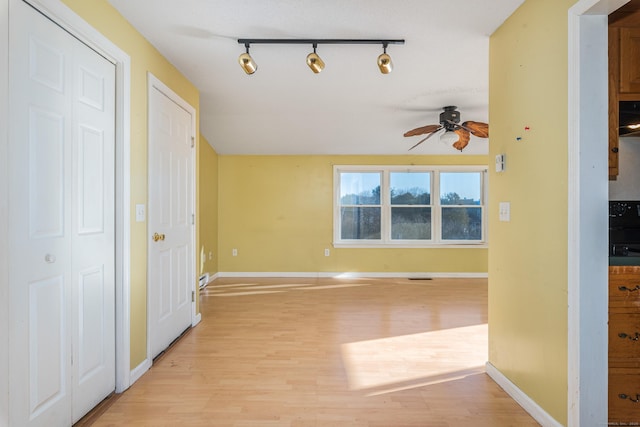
pixel 93 229
pixel 61 213
pixel 171 271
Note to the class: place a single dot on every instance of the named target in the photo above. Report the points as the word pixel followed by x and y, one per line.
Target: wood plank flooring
pixel 326 352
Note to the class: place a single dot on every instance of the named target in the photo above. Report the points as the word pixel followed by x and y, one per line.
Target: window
pixel 360 207
pixel 410 199
pixel 461 208
pixel 409 205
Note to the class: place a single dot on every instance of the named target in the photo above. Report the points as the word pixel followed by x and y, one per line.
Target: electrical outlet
pixel 327 252
pixel 234 252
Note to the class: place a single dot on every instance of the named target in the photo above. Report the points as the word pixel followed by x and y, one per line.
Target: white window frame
pixel 385 240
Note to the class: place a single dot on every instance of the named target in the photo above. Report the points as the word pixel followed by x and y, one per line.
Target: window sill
pixel 482 245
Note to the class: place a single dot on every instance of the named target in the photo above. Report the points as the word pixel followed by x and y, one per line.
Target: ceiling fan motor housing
pixel 449 118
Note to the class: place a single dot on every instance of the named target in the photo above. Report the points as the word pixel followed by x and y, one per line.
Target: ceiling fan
pixel 450 122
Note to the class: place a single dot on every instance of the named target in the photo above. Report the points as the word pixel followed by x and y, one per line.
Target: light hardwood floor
pixel 326 352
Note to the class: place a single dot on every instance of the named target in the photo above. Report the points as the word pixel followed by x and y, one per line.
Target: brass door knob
pixel 157 237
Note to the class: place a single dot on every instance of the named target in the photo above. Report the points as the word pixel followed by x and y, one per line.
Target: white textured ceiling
pixel 349 108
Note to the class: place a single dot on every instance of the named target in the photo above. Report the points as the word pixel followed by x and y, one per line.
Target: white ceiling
pixel 349 108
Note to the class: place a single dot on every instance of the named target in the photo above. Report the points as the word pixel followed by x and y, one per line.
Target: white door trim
pixel 69 20
pixel 154 83
pixel 588 196
pixel 4 214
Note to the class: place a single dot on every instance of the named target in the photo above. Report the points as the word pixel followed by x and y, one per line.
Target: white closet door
pixel 93 229
pixel 61 211
pixel 171 278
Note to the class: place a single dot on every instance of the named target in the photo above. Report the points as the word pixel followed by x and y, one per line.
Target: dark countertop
pixel 624 260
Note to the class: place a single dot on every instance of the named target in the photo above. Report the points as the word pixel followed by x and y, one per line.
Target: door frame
pixel 74 24
pixel 154 83
pixel 588 195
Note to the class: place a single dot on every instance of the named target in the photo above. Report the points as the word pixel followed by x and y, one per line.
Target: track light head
pixel 314 61
pixel 246 62
pixel 384 61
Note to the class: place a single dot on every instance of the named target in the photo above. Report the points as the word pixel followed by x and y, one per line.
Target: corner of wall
pixel 4 220
pixel 208 207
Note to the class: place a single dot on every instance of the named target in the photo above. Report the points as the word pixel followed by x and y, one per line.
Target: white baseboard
pixel 539 414
pixel 347 275
pixel 197 319
pixel 139 371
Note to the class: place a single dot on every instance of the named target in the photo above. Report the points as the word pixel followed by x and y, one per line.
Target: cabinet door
pixel 624 289
pixel 624 397
pixel 614 79
pixel 630 60
pixel 624 339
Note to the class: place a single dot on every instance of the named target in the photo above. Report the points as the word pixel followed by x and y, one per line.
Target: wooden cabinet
pixel 624 409
pixel 624 345
pixel 629 60
pixel 614 99
pixel 624 70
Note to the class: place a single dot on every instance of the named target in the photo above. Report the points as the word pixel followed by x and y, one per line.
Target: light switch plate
pixel 500 163
pixel 140 213
pixel 505 211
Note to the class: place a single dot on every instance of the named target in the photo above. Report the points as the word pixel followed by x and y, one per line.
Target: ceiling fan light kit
pixel 313 60
pixel 449 137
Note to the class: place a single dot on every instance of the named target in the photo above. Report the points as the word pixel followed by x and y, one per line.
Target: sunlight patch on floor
pixel 237 294
pixel 346 285
pixel 259 286
pixel 257 289
pixel 409 361
pixel 233 285
pixel 423 382
pixel 347 275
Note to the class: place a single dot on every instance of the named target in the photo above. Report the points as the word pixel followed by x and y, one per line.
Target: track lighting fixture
pixel 246 61
pixel 313 60
pixel 384 61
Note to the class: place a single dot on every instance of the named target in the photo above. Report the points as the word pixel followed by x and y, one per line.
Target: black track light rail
pixel 383 42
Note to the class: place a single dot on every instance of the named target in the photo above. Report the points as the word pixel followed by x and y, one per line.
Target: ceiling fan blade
pixel 463 139
pixel 425 138
pixel 479 129
pixel 422 130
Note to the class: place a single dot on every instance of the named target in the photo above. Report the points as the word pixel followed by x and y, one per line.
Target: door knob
pixel 50 258
pixel 157 237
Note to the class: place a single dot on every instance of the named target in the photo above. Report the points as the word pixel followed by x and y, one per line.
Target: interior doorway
pixel 588 211
pixel 171 224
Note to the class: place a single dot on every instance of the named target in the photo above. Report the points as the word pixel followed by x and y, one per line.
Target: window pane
pixel 460 188
pixel 360 223
pixel 410 188
pixel 411 223
pixel 461 223
pixel 360 188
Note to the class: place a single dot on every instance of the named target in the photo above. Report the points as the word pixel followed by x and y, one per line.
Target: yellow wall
pixel 278 212
pixel 208 211
pixel 144 57
pixel 528 255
